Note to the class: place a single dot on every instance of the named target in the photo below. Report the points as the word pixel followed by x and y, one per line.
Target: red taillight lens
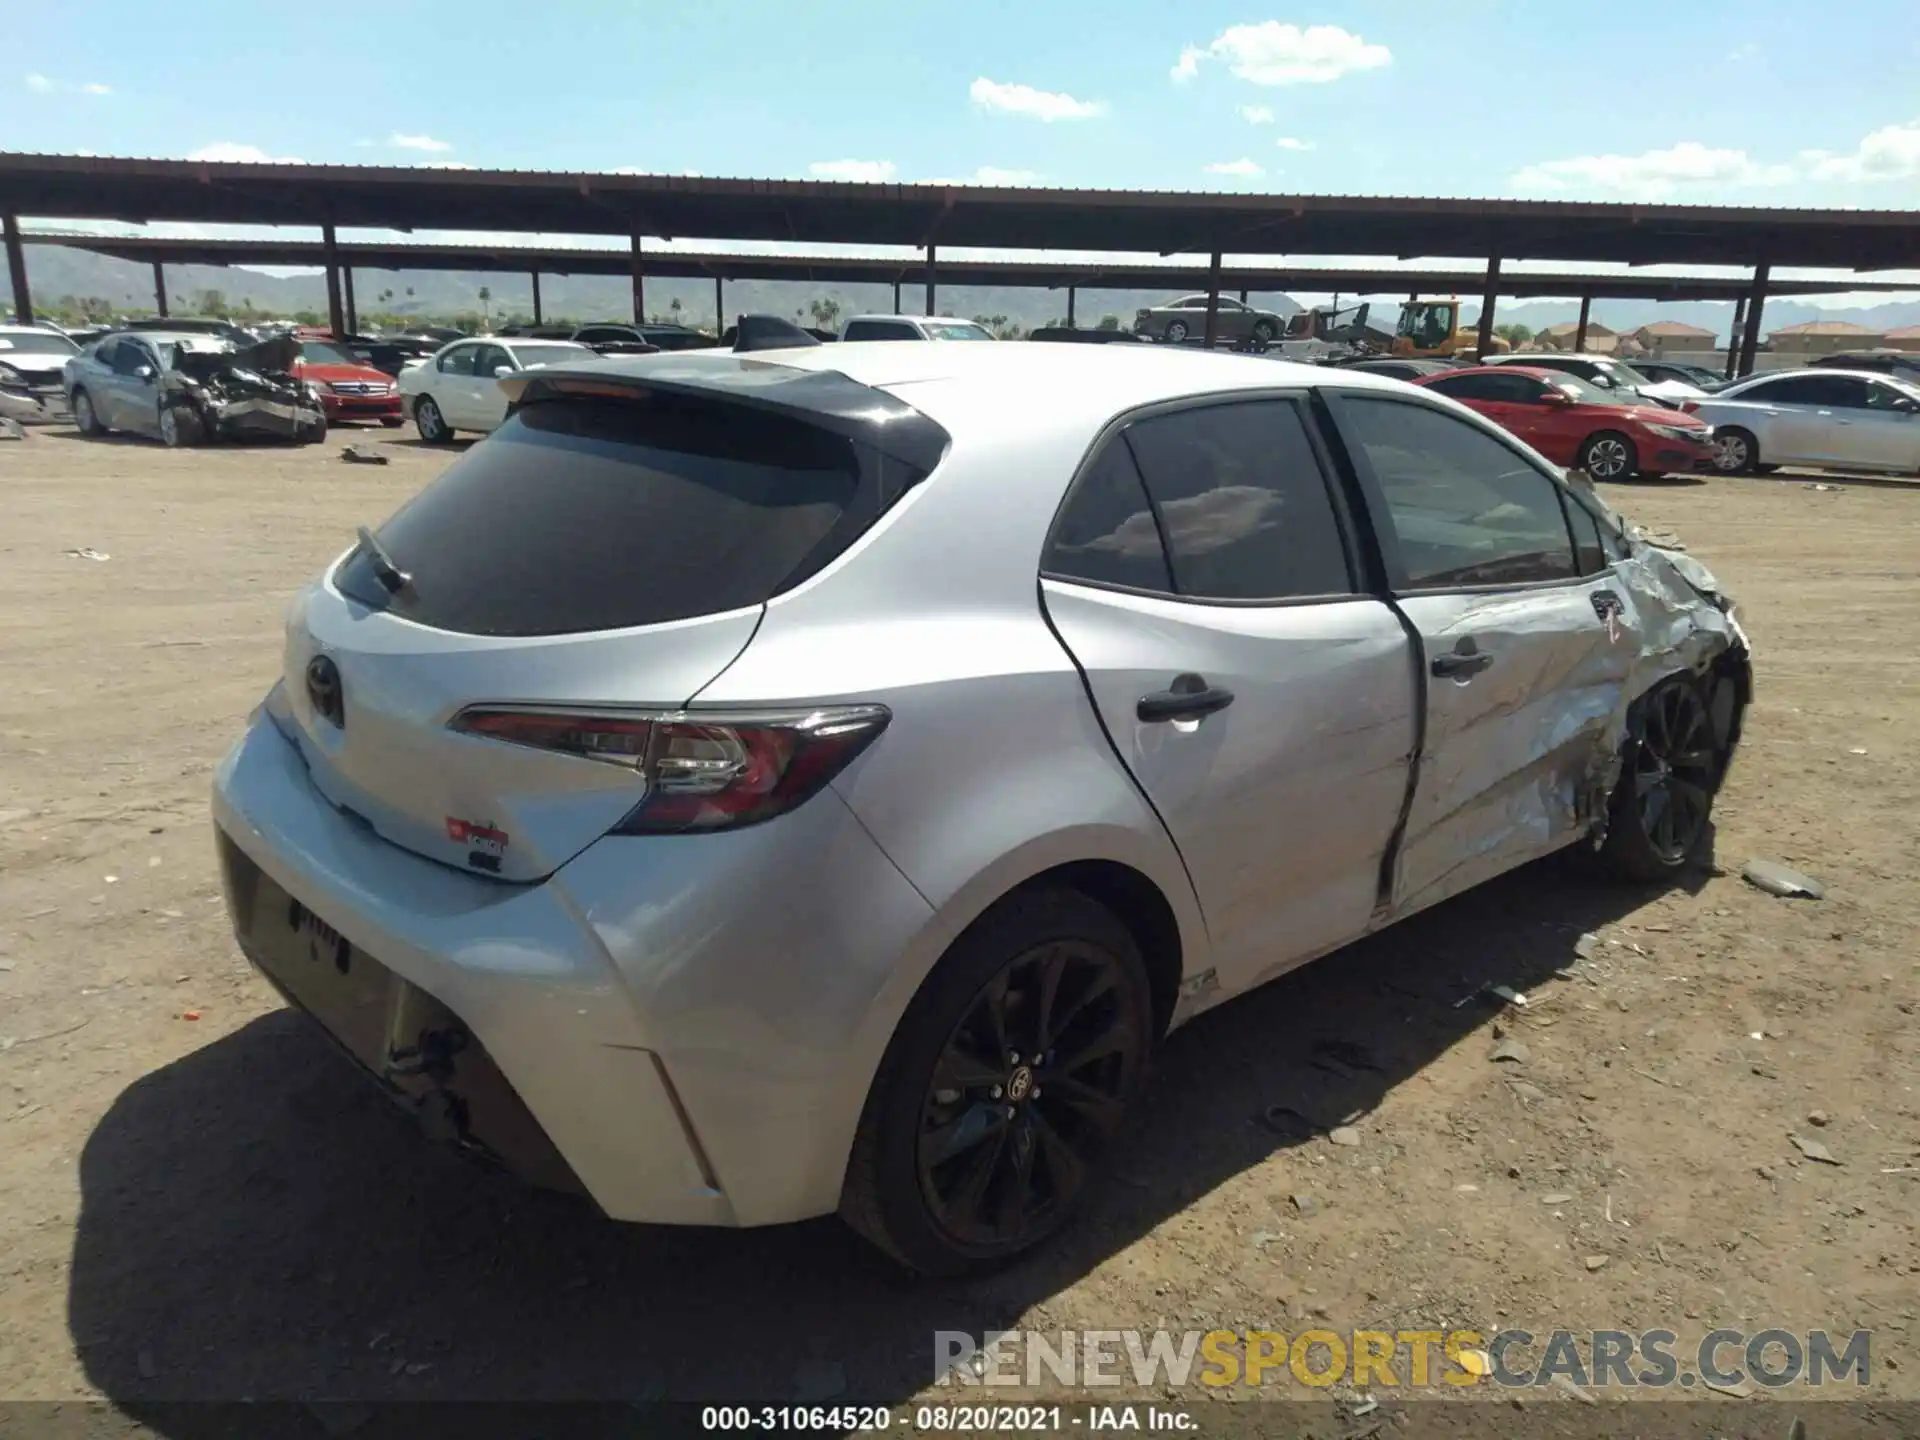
pixel 1690 407
pixel 703 771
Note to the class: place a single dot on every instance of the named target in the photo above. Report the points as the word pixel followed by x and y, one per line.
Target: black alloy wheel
pixel 1674 770
pixel 1028 1091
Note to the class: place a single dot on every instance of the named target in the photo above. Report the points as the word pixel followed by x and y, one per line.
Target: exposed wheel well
pixel 1141 907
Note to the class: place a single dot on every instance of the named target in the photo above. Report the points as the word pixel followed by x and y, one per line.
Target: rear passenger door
pixel 1526 639
pixel 1203 576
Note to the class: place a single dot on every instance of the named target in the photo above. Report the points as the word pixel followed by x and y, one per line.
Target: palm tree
pixel 486 296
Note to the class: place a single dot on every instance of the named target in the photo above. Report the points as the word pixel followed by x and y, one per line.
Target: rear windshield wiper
pixel 391 577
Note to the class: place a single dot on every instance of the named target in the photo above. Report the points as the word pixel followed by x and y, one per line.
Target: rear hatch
pixel 608 550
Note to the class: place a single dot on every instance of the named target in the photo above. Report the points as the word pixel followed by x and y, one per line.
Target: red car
pixel 349 388
pixel 1579 425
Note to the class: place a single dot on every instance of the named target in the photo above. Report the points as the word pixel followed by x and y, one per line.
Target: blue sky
pixel 1705 101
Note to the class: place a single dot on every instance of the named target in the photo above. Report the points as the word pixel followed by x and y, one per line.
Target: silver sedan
pixel 753 787
pixel 1832 419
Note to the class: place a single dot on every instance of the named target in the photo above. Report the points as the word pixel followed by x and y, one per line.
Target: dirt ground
pixel 199 1201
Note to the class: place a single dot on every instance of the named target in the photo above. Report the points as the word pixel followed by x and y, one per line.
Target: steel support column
pixel 639 274
pixel 346 294
pixel 1486 305
pixel 17 271
pixel 1733 340
pixel 336 317
pixel 1580 332
pixel 160 288
pixel 1243 297
pixel 1213 299
pixel 719 305
pixel 933 254
pixel 535 277
pixel 896 297
pixel 1756 303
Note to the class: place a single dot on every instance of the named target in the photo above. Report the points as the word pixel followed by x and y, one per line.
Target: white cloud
pixel 226 152
pixel 1271 53
pixel 1289 142
pixel 40 84
pixel 1235 167
pixel 1889 153
pixel 96 88
pixel 1654 174
pixel 1748 51
pixel 987 175
pixel 1038 104
pixel 1256 114
pixel 418 142
pixel 867 172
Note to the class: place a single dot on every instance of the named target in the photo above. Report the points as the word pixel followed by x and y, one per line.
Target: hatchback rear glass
pixel 585 513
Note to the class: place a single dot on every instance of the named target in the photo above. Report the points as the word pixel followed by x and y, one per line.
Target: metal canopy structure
pixel 676 264
pixel 409 198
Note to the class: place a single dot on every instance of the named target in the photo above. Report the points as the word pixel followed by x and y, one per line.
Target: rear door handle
pixel 1466 658
pixel 1188 698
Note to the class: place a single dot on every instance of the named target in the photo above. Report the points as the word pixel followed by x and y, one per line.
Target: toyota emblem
pixel 323 690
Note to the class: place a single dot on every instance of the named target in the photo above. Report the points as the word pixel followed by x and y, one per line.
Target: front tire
pixel 179 428
pixel 992 1112
pixel 1735 451
pixel 1671 768
pixel 1607 455
pixel 85 417
pixel 430 422
pixel 1176 332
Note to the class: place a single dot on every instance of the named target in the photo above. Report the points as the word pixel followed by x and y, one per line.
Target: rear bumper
pixel 690 1024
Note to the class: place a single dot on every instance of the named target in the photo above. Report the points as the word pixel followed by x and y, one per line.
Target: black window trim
pixel 1361 573
pixel 1384 536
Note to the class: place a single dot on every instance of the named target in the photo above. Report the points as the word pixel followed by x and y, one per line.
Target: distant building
pixel 1600 340
pixel 1907 337
pixel 1671 337
pixel 1824 337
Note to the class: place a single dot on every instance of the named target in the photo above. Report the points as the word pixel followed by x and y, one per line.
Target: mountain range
pixel 56 272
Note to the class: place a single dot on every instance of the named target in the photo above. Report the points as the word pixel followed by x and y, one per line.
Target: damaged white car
pixel 31 361
pixel 752 787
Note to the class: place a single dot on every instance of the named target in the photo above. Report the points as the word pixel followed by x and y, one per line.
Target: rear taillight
pixel 1690 407
pixel 702 770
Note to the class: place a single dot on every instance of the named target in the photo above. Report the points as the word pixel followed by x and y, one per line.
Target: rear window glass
pixel 584 514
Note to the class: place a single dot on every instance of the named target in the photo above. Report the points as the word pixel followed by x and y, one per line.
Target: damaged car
pixel 759 786
pixel 189 388
pixel 32 361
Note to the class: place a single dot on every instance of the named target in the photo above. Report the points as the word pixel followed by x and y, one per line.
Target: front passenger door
pixel 135 397
pixel 489 400
pixel 454 386
pixel 1202 578
pixel 1526 644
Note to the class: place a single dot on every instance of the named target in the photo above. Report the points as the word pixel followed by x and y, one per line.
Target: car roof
pixel 167 337
pixel 921 319
pixel 1084 385
pixel 1538 372
pixel 528 340
pixel 1824 372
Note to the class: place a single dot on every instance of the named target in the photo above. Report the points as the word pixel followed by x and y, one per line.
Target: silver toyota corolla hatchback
pixel 748 788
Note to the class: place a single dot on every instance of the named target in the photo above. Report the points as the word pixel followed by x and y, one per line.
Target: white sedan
pixel 458 387
pixel 1835 419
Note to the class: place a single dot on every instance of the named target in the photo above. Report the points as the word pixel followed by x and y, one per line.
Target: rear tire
pixel 1607 455
pixel 1263 332
pixel 972 1149
pixel 1662 807
pixel 85 417
pixel 1176 332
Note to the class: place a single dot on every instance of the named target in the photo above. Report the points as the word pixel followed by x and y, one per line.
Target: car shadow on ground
pixel 257 1221
pixel 153 442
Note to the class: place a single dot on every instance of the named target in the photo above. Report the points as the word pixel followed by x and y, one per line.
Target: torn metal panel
pixel 1520 757
pixel 244 392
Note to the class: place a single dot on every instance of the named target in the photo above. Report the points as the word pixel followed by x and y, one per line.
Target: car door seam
pixel 1113 745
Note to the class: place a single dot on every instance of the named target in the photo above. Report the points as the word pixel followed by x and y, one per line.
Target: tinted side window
pixel 488 359
pixel 1798 390
pixel 1465 510
pixel 1465 387
pixel 130 357
pixel 1885 397
pixel 458 361
pixel 1588 553
pixel 1106 532
pixel 1242 502
pixel 1846 392
pixel 105 353
pixel 879 330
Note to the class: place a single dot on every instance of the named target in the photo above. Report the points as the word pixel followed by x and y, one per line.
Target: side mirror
pixel 1559 398
pixel 143 372
pixel 1907 407
pixel 502 370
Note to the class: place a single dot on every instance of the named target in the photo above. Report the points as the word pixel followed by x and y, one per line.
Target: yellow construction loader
pixel 1431 330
